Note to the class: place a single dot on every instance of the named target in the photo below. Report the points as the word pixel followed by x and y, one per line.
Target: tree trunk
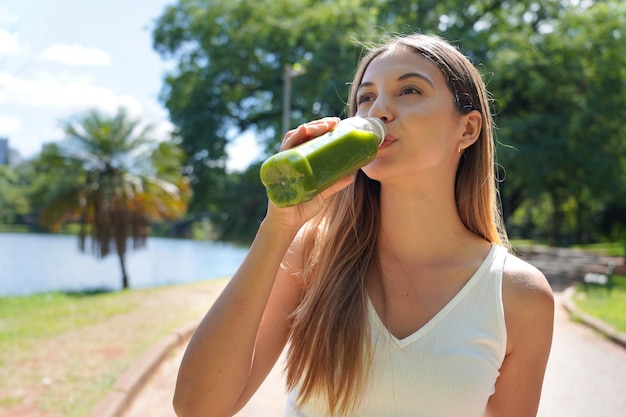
pixel 124 274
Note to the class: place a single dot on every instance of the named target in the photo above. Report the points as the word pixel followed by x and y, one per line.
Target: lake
pixel 31 263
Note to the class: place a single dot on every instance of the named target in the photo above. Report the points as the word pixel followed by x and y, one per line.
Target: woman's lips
pixel 387 142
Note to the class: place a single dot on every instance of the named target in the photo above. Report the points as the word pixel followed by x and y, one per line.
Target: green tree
pixel 112 178
pixel 562 95
pixel 231 57
pixel 477 27
pixel 230 77
pixel 13 201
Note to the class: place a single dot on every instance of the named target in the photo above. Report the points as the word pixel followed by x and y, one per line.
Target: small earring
pixel 459 149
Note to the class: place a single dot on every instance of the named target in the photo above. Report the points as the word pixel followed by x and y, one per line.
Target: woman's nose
pixel 380 109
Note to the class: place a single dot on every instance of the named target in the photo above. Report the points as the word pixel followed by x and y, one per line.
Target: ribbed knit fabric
pixel 448 368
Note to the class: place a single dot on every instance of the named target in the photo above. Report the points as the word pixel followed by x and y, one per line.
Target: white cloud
pixel 76 55
pixel 9 125
pixel 62 91
pixel 9 44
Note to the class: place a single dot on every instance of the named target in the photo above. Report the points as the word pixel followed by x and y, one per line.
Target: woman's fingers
pixel 301 213
pixel 308 131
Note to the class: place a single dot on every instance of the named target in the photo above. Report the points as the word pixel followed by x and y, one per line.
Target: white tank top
pixel 448 368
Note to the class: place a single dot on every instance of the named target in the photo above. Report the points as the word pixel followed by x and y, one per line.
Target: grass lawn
pixel 606 248
pixel 61 353
pixel 609 307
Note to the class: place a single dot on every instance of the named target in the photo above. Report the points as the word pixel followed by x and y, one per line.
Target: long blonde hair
pixel 328 353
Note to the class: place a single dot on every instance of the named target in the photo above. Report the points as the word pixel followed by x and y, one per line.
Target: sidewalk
pixel 155 398
pixel 586 376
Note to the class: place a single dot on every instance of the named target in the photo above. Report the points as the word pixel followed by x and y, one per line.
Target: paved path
pixel 586 377
pixel 155 399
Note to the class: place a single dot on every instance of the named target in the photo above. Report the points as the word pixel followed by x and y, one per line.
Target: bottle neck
pixel 378 127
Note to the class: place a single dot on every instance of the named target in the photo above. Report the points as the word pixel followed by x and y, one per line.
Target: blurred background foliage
pixel 556 70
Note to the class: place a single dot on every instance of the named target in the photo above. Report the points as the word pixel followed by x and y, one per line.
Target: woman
pixel 394 287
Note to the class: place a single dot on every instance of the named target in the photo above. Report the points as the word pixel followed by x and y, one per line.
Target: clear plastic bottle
pixel 298 174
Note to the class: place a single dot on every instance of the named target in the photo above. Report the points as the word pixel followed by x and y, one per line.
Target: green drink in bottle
pixel 298 174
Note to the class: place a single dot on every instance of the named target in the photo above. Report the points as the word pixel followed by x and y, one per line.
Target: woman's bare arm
pixel 217 364
pixel 242 335
pixel 529 314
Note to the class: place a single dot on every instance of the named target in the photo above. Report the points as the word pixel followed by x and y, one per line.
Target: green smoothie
pixel 298 174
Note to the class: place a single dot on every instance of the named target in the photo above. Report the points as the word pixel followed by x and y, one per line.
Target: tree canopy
pixel 14 203
pixel 555 68
pixel 562 101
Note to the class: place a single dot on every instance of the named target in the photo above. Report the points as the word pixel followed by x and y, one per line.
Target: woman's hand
pixel 296 216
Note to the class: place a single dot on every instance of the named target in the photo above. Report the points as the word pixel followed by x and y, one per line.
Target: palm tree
pixel 112 178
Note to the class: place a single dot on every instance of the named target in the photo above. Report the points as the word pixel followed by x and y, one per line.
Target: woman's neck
pixel 422 225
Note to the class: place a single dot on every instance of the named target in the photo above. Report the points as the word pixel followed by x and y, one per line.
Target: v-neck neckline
pixel 449 306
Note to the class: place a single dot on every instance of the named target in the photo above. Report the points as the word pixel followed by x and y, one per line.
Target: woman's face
pixel 424 129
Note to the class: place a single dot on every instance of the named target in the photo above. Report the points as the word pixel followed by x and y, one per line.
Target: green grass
pixel 608 306
pixel 14 228
pixel 607 248
pixel 60 353
pixel 46 315
pixel 526 243
pixel 603 248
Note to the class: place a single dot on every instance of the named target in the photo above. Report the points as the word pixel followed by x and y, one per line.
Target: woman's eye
pixel 364 98
pixel 409 90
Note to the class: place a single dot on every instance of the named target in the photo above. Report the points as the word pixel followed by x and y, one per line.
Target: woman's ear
pixel 472 124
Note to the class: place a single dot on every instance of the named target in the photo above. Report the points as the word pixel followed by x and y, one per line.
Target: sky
pixel 59 58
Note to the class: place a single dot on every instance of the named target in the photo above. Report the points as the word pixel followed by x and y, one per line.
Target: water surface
pixel 32 263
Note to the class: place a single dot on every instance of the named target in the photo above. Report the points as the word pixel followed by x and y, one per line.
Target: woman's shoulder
pixel 527 297
pixel 524 283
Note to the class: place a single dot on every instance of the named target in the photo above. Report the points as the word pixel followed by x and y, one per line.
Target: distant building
pixel 4 151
